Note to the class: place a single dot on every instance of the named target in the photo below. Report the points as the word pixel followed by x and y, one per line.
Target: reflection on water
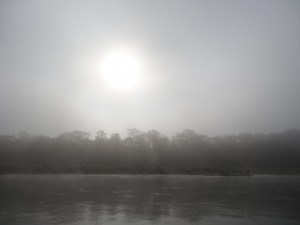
pixel 86 199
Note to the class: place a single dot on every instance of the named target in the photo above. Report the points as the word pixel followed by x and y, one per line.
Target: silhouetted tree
pixel 150 152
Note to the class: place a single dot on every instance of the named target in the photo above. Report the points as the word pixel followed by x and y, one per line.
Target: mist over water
pixel 104 199
pixel 123 92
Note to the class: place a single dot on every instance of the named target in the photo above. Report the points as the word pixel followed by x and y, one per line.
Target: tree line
pixel 151 152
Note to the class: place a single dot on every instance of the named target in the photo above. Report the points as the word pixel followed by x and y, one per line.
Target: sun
pixel 120 70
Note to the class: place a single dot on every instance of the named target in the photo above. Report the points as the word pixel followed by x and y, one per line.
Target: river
pixel 134 199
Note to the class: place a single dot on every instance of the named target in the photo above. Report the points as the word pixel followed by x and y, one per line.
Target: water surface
pixel 103 199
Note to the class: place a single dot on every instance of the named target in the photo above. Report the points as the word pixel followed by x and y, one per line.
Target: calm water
pixel 85 199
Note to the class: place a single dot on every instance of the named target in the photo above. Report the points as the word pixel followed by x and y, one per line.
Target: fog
pixel 151 152
pixel 217 67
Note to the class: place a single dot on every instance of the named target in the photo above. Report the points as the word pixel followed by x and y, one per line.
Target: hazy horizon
pixel 217 67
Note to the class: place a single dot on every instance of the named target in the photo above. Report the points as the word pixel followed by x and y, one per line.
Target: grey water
pixel 122 199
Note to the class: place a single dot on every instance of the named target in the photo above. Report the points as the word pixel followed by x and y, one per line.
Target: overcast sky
pixel 218 67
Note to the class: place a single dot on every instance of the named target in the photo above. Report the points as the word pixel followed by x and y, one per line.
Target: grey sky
pixel 218 67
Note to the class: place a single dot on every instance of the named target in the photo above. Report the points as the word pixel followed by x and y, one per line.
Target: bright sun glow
pixel 120 70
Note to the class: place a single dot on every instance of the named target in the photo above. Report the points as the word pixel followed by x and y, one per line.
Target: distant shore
pixel 151 152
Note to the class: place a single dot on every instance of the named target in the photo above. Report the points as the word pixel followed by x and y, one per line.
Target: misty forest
pixel 151 153
pixel 153 112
